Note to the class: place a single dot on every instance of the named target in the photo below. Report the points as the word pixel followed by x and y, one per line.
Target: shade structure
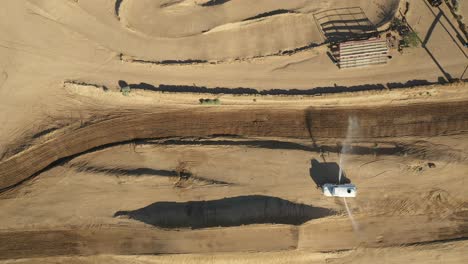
pixel 362 53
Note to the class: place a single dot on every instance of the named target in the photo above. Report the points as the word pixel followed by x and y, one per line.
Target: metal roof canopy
pixel 362 53
pixel 343 24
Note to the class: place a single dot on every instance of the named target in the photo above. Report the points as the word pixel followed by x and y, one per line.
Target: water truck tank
pixel 339 190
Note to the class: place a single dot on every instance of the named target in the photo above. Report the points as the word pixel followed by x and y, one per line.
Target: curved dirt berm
pixel 380 12
pixel 241 29
pixel 318 123
pixel 185 18
pixel 191 30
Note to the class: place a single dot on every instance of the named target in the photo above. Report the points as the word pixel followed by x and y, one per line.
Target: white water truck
pixel 339 190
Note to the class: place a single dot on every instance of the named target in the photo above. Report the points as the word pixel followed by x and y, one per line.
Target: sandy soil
pixel 46 42
pixel 238 178
pixel 448 253
pixel 88 175
pixel 314 123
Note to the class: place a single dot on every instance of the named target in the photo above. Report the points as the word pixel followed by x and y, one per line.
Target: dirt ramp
pixel 388 121
pixel 380 12
pixel 234 211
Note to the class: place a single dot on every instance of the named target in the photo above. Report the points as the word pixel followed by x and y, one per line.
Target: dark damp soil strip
pixel 102 87
pixel 215 2
pixel 270 13
pixel 317 91
pixel 415 149
pixel 288 52
pixel 45 132
pixel 117 5
pixel 168 62
pixel 144 172
pixel 388 149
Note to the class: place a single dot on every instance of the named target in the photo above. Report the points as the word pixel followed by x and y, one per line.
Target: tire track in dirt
pixel 318 123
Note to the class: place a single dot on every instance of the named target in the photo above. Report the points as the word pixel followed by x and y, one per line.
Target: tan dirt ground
pixel 447 253
pixel 92 176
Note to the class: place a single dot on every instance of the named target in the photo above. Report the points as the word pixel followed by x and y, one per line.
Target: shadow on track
pixel 234 211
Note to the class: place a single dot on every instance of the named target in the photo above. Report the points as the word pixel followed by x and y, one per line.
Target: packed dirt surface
pixel 238 172
pixel 202 131
pixel 419 120
pixel 452 252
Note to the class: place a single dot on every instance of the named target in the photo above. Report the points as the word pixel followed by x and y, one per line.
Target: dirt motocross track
pixel 202 131
pixel 419 120
pixel 310 124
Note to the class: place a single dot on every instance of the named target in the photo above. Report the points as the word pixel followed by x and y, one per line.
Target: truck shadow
pixel 326 172
pixel 226 212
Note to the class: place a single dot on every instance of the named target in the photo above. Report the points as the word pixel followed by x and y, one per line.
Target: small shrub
pixel 125 90
pixel 456 5
pixel 441 80
pixel 411 39
pixel 207 101
pixel 396 23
